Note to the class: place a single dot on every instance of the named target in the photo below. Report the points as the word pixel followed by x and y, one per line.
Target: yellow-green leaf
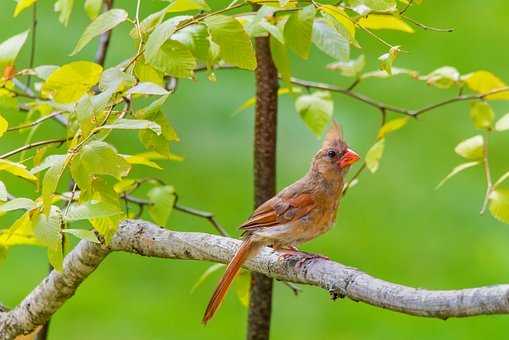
pixel 83 234
pixel 242 286
pixel 392 125
pixel 499 205
pixel 91 209
pixel 20 232
pixel 330 41
pixel 443 77
pixel 92 8
pixel 456 171
pixel 161 199
pixel 387 59
pixel 17 204
pixel 471 148
pixel 503 123
pixel 10 48
pixel 341 18
pixel 174 59
pixel 22 5
pixel 484 81
pixel 3 125
pixel 47 230
pixel 351 68
pixel 70 82
pixel 380 22
pixel 3 192
pixel 104 22
pixel 482 115
pixel 298 31
pixel 65 9
pixel 17 169
pixel 141 160
pixel 374 155
pixel 50 182
pixel 315 110
pixel 159 36
pixel 187 5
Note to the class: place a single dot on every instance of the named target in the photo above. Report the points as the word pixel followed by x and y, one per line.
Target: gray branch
pixel 147 239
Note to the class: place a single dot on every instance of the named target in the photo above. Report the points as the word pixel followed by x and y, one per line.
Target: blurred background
pixel 394 225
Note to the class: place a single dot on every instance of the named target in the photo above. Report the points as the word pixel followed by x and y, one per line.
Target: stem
pixel 104 40
pixel 35 122
pixel 426 27
pixel 34 36
pixel 260 302
pixel 487 173
pixel 34 145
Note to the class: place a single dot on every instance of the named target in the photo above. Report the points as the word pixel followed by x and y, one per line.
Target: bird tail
pixel 247 247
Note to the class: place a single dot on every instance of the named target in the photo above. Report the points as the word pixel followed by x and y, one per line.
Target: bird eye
pixel 331 153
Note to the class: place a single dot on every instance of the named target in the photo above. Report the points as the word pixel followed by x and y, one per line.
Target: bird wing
pixel 280 210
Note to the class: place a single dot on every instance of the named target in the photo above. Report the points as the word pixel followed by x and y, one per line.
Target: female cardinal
pixel 297 214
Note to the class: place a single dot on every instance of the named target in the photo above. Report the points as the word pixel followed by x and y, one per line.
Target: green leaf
pixel 242 287
pixel 471 148
pixel 503 123
pixel 20 232
pixel 392 126
pixel 159 36
pixel 196 39
pixel 133 124
pixel 103 23
pixel 65 9
pixel 10 48
pixel 188 5
pixel 22 5
pixel 3 192
pixel 340 18
pixel 235 46
pixel 17 169
pixel 97 158
pixel 89 111
pixel 140 160
pixel 443 77
pixel 44 71
pixel 174 59
pixel 50 182
pixel 148 24
pixel 146 73
pixel 499 205
pixel 71 81
pixel 116 80
pixel 147 88
pixel 387 59
pixel 47 163
pixel 47 230
pixel 91 209
pixel 17 204
pixel 4 124
pixel 456 171
pixel 384 75
pixel 483 82
pixel 388 22
pixel 332 43
pixel 298 31
pixel 107 226
pixel 93 8
pixel 273 30
pixel 374 155
pixel 210 270
pixel 161 199
pixel 83 234
pixel 482 115
pixel 281 60
pixel 351 68
pixel 316 110
pixel 364 7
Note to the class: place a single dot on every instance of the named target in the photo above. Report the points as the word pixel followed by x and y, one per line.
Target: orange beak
pixel 348 158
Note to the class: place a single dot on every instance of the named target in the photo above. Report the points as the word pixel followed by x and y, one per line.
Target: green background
pixel 393 225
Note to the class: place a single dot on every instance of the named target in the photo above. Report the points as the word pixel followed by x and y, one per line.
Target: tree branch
pixel 147 239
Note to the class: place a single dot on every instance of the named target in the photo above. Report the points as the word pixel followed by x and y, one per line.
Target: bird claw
pixel 300 257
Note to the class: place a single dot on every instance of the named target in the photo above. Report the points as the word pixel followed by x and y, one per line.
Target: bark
pixel 260 303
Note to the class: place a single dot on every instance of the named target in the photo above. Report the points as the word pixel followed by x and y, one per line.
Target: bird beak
pixel 348 158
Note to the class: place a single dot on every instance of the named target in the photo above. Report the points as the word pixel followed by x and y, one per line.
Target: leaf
pixel 387 59
pixel 341 18
pixel 316 110
pixel 456 171
pixel 499 205
pixel 298 31
pixel 140 159
pixel 242 287
pixel 364 7
pixel 196 39
pixel 392 125
pixel 116 80
pixel 471 148
pixel 384 75
pixel 71 81
pixel 17 169
pixel 22 5
pixel 389 22
pixel 159 36
pixel 133 124
pixel 187 5
pixel 44 71
pixel 210 270
pixel 148 24
pixel 146 73
pixel 50 182
pixel 483 82
pixel 91 209
pixel 162 199
pixel 10 48
pixel 103 23
pixel 351 68
pixel 107 226
pixel 125 185
pixel 281 60
pixel 65 9
pixel 3 125
pixel 482 115
pixel 234 43
pixel 19 203
pixel 443 77
pixel 20 232
pixel 47 230
pixel 374 155
pixel 83 234
pixel 250 102
pixel 147 88
pixel 93 8
pixel 501 179
pixel 90 111
pixel 175 59
pixel 332 43
pixel 97 158
pixel 48 162
pixel 503 123
pixel 3 192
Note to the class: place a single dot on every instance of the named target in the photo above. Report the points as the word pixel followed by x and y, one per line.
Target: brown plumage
pixel 297 214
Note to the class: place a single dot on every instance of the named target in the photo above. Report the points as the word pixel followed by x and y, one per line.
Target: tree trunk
pixel 260 304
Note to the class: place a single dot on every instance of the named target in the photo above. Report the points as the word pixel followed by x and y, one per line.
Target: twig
pixel 104 40
pixel 35 122
pixel 409 3
pixel 34 36
pixel 34 145
pixel 487 173
pixel 426 27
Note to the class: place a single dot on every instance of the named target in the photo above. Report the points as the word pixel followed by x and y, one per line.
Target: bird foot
pixel 300 257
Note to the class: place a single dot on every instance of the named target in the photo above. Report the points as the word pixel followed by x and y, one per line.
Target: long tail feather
pixel 246 249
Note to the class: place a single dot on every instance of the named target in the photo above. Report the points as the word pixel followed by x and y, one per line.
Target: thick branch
pixel 146 239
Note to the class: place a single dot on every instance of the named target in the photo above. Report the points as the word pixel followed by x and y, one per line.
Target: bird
pixel 298 213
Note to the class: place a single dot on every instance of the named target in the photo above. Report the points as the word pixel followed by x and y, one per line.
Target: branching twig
pixel 35 122
pixel 426 27
pixel 34 145
pixel 487 173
